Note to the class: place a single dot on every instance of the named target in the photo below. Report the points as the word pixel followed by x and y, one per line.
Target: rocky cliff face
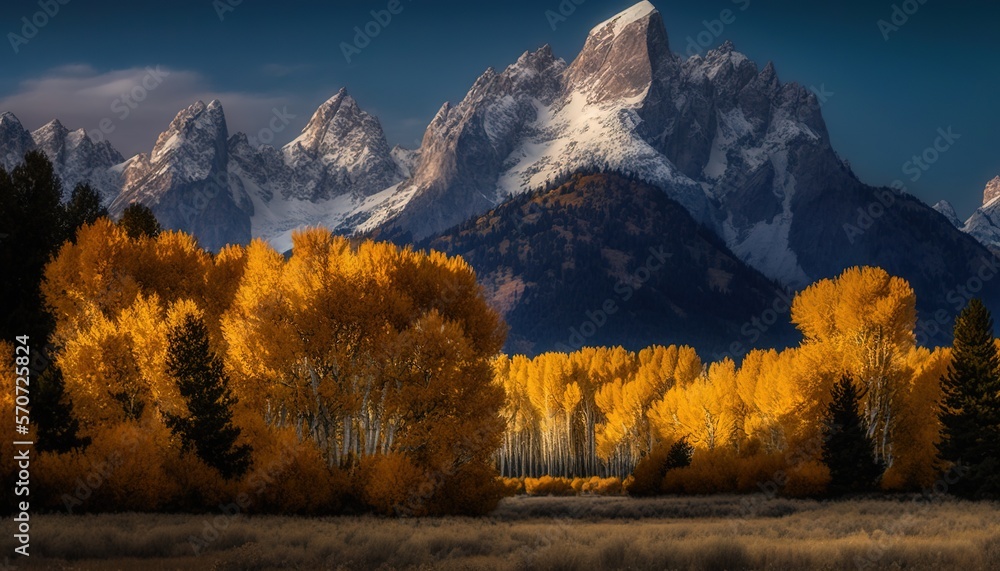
pixel 948 211
pixel 77 159
pixel 185 180
pixel 992 191
pixel 15 141
pixel 342 150
pixel 984 225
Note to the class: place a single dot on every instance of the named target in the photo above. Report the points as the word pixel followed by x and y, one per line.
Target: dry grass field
pixel 591 533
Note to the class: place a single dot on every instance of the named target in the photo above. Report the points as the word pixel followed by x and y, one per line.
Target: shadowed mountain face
pixel 608 260
pixel 984 224
pixel 743 154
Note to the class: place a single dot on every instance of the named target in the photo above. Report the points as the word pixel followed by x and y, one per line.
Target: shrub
pixel 808 479
pixel 603 486
pixel 291 476
pixel 512 486
pixel 389 482
pixel 759 470
pixel 473 490
pixel 548 486
pixel 649 474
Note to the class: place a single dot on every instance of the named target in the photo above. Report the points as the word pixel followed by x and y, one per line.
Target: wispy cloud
pixel 135 104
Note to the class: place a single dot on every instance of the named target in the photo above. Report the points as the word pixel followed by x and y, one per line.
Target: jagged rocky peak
pixel 984 224
pixel 15 141
pixel 50 134
pixel 342 149
pixel 623 56
pixel 77 159
pixel 58 142
pixel 728 68
pixel 333 118
pixel 185 180
pixel 191 129
pixel 948 211
pixel 992 191
pixel 538 72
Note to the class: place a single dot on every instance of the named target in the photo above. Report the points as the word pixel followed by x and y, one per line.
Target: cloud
pixel 131 107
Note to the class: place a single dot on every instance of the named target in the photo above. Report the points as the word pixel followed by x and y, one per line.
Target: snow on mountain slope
pixel 342 150
pixel 185 180
pixel 77 159
pixel 15 141
pixel 948 211
pixel 748 156
pixel 571 135
pixel 984 224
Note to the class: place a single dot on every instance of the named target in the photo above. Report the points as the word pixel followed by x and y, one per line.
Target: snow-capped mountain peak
pixel 193 126
pixel 341 107
pixel 15 141
pixel 77 159
pixel 992 192
pixel 622 57
pixel 948 211
pixel 620 21
pixel 984 224
pixel 341 150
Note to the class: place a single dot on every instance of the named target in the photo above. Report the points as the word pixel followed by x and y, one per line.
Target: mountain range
pixel 746 156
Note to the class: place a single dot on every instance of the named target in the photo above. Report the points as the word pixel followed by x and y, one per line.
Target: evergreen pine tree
pixel 847 450
pixel 680 455
pixel 33 228
pixel 52 413
pixel 84 207
pixel 138 220
pixel 649 473
pixel 204 385
pixel 970 411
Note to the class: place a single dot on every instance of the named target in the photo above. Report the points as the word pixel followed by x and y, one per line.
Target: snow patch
pixel 623 19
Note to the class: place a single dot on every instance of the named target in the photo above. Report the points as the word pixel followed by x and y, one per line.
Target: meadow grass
pixel 591 533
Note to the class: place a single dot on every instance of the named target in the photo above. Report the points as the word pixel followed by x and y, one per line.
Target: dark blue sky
pixel 938 70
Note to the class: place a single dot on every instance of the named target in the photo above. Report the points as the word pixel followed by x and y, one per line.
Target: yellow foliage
pixel 603 486
pixel 549 486
pixel 392 484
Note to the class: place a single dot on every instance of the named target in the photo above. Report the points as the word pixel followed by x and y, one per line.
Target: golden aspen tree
pixel 364 347
pixel 866 318
pixel 92 276
pixel 705 411
pixel 917 431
